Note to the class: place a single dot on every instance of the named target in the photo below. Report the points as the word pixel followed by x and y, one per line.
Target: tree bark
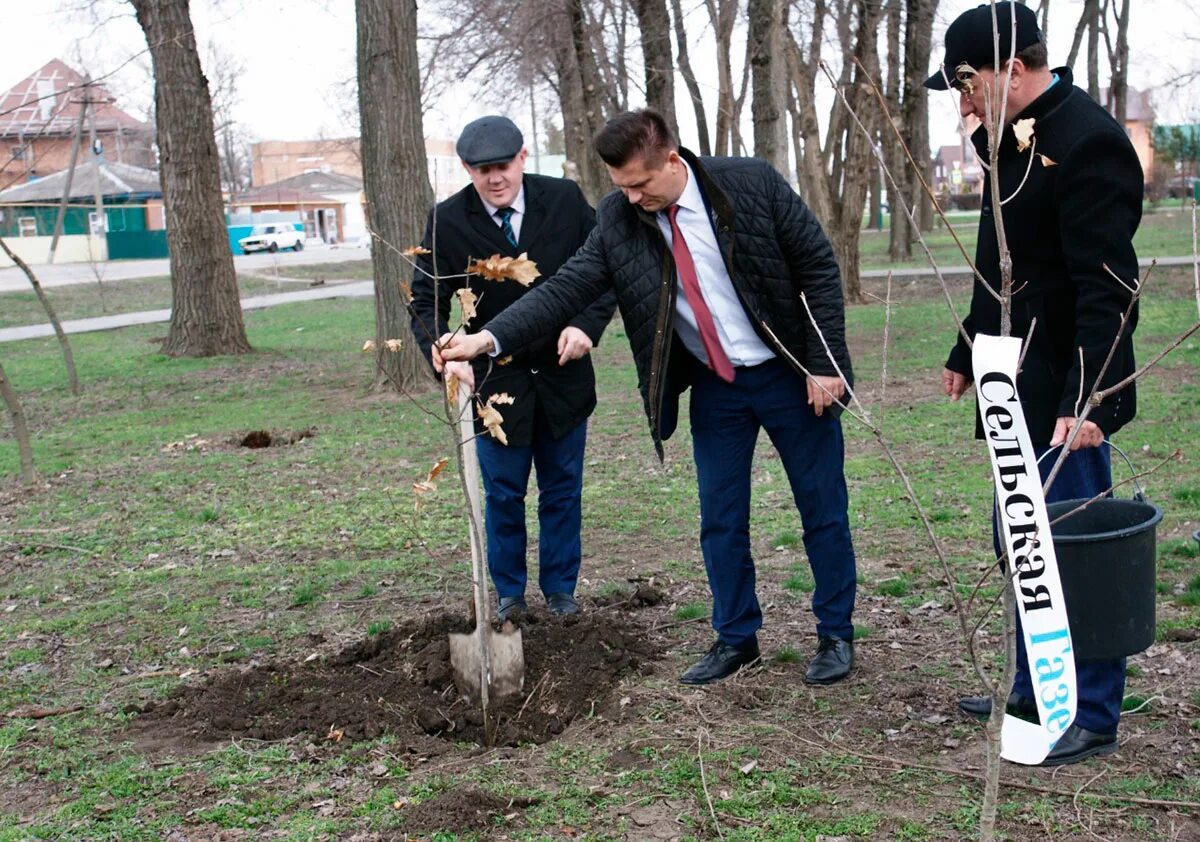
pixel 1118 90
pixel 918 45
pixel 59 333
pixel 395 174
pixel 767 70
pixel 206 314
pixel 1093 51
pixel 593 175
pixel 655 26
pixel 723 14
pixel 20 428
pixel 899 237
pixel 689 79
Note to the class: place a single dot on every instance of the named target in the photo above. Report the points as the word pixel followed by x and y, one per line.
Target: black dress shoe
pixel 561 604
pixel 511 608
pixel 721 661
pixel 980 707
pixel 832 662
pixel 1078 744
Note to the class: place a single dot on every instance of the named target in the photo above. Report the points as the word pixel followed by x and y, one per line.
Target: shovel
pixel 487 664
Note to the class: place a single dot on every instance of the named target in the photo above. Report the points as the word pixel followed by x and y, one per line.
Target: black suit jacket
pixel 557 221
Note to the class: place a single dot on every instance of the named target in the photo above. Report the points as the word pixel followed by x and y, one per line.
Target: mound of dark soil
pixel 401 683
pixel 459 810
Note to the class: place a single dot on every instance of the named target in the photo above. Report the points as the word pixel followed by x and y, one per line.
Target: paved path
pixel 64 274
pixel 353 289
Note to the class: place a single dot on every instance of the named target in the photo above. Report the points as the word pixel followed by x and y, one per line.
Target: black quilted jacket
pixel 773 247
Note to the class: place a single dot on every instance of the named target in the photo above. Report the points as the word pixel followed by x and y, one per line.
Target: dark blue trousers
pixel 1100 685
pixel 505 470
pixel 726 418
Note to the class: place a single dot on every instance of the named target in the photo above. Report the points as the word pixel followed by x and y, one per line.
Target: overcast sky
pixel 296 52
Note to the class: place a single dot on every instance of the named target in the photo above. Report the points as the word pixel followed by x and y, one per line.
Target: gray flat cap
pixel 489 140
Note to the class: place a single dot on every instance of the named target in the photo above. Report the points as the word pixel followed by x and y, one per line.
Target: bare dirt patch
pixel 400 683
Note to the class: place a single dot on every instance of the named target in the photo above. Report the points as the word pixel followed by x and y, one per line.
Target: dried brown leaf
pixel 452 389
pixel 1023 129
pixel 496 268
pixel 415 251
pixel 1047 161
pixel 437 469
pixel 467 300
pixel 505 360
pixel 393 345
pixel 491 418
pixel 368 346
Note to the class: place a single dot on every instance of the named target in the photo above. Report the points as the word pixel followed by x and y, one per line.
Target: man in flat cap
pixel 1067 216
pixel 507 211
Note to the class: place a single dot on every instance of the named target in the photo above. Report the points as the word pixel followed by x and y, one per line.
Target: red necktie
pixel 717 359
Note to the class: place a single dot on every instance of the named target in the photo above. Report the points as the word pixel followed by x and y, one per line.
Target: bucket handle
pixel 1138 493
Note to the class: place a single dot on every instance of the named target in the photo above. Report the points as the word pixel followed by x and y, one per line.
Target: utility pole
pixel 97 160
pixel 62 206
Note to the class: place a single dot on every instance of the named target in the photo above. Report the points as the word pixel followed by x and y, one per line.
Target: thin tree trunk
pixel 1119 85
pixel 722 14
pixel 655 25
pixel 60 334
pixel 767 68
pixel 206 314
pixel 899 240
pixel 1090 10
pixel 395 173
pixel 1093 52
pixel 61 215
pixel 594 175
pixel 20 428
pixel 689 79
pixel 918 45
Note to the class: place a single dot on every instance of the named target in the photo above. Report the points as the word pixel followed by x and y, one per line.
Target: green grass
pixel 124 542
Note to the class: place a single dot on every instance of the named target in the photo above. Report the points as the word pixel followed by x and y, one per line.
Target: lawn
pixel 157 556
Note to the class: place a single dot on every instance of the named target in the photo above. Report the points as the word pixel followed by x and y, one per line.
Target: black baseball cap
pixel 489 140
pixel 969 40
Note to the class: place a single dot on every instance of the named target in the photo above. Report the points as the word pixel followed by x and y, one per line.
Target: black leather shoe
pixel 980 707
pixel 721 661
pixel 511 607
pixel 1078 744
pixel 833 661
pixel 561 604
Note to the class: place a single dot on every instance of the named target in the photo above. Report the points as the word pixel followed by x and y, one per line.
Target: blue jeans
pixel 505 470
pixel 725 419
pixel 1100 685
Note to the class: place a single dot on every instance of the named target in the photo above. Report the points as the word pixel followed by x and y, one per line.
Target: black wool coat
pixel 1063 226
pixel 774 250
pixel 557 221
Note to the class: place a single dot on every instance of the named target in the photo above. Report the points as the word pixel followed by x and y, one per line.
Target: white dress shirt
pixel 518 215
pixel 741 343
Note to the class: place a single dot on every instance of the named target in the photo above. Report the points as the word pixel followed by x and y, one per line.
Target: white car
pixel 272 237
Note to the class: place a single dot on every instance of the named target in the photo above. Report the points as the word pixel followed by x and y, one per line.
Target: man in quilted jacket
pixel 727 284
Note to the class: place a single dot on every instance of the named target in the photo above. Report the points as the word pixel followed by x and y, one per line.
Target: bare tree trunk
pixel 20 428
pixel 655 26
pixel 1090 9
pixel 723 14
pixel 60 334
pixel 206 315
pixel 767 67
pixel 918 45
pixel 810 163
pixel 689 79
pixel 1118 89
pixel 593 175
pixel 899 238
pixel 395 173
pixel 1093 51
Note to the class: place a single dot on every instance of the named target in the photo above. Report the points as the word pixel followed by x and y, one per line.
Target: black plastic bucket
pixel 1106 560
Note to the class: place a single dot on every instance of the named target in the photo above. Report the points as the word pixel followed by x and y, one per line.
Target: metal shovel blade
pixel 507 657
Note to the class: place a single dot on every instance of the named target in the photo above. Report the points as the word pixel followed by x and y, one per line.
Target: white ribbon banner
pixel 1025 534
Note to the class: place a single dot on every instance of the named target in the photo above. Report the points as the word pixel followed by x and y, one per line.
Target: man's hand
pixel 463 371
pixel 573 343
pixel 1090 435
pixel 823 390
pixel 459 347
pixel 954 384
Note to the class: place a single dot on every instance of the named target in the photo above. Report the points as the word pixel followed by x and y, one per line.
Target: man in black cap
pixel 1067 215
pixel 508 212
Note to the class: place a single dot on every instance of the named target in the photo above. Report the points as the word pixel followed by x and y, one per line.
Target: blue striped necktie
pixel 505 217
